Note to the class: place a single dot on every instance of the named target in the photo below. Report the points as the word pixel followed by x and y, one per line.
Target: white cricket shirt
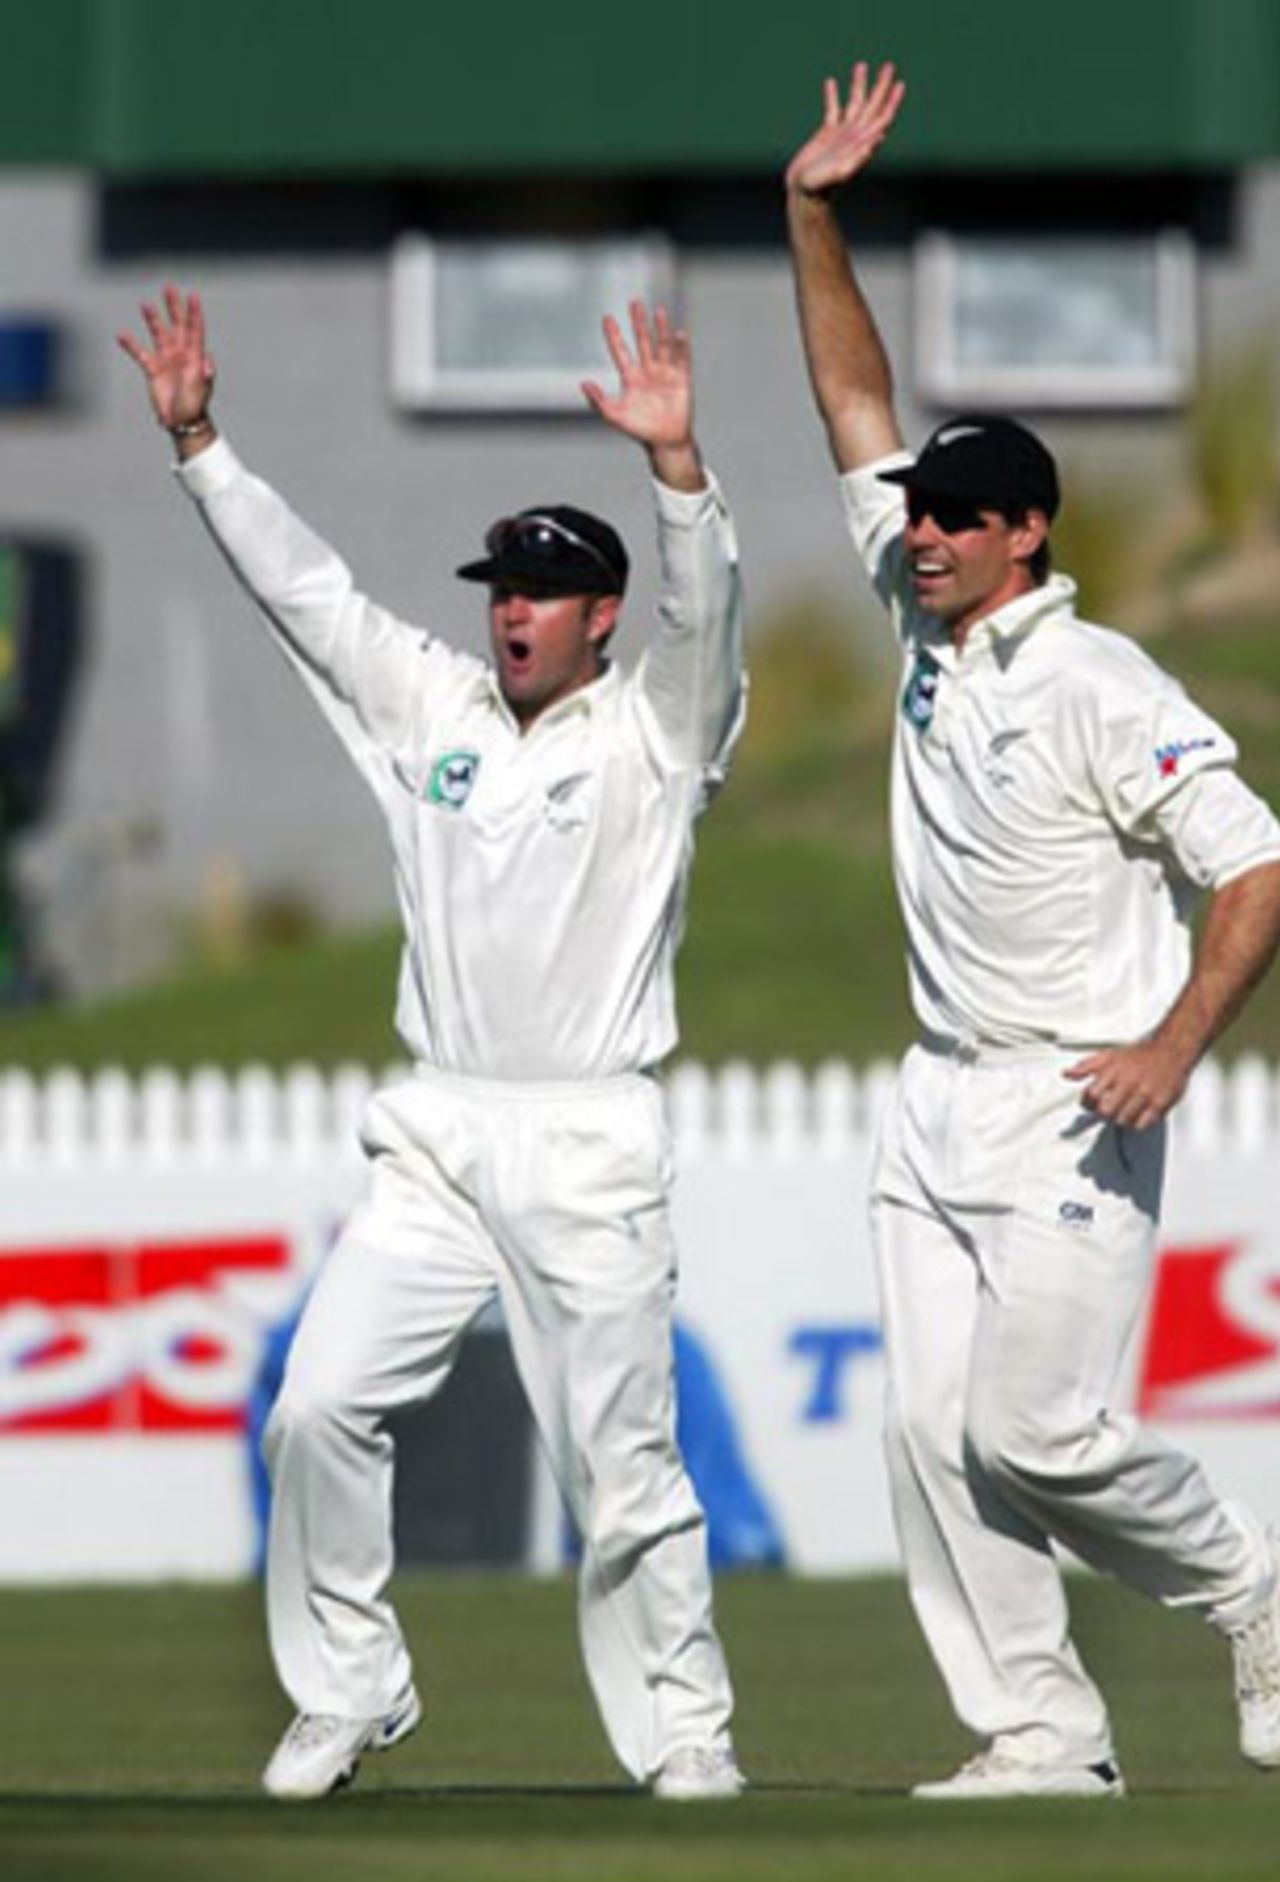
pixel 1057 802
pixel 541 878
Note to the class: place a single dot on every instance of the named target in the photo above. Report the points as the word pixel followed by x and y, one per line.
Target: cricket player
pixel 541 812
pixel 1057 801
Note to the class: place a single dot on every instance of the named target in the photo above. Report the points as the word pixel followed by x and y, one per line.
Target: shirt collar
pixel 1010 625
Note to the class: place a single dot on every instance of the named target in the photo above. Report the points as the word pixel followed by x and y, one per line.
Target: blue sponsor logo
pixel 1168 757
pixel 1076 1215
pixel 831 1353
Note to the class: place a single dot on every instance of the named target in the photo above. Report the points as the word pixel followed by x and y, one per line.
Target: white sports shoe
pixel 693 1772
pixel 1255 1648
pixel 319 1752
pixel 994 1773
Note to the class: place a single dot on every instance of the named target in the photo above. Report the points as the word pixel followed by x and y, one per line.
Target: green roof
pixel 339 87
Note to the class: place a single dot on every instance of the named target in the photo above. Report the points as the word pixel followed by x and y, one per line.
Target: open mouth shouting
pixel 515 653
pixel 546 646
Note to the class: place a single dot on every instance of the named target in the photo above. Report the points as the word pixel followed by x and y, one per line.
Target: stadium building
pixel 406 223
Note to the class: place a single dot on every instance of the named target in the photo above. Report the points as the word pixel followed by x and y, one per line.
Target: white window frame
pixel 944 380
pixel 420 381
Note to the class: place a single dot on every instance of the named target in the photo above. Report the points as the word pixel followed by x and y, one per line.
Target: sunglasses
pixel 952 515
pixel 540 539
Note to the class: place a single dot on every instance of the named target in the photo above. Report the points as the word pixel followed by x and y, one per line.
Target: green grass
pixel 327 1001
pixel 137 1720
pixel 794 950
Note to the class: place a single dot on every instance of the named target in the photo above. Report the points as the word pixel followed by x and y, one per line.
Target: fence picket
pixel 737 1111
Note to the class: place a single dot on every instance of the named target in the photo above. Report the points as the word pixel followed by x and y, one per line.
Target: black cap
pixel 994 462
pixel 556 549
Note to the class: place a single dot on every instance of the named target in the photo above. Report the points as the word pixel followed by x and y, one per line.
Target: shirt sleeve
pixel 876 515
pixel 360 661
pixel 1219 829
pixel 690 676
pixel 1165 772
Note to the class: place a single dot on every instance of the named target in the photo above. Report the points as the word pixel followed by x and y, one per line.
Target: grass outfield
pixel 794 951
pixel 135 1723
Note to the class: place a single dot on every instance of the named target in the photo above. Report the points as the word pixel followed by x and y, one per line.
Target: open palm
pixel 849 134
pixel 654 400
pixel 178 369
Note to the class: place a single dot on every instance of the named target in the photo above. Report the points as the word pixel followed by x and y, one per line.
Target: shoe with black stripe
pixel 996 1773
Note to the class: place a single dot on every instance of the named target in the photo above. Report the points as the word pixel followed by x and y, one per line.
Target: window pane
pixel 1082 305
pixel 1055 319
pixel 511 324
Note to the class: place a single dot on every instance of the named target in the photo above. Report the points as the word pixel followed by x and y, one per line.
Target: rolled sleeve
pixel 1165 771
pixel 1219 829
pixel 1152 742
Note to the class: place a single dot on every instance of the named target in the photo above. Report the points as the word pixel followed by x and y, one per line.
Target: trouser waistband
pixel 530 1090
pixel 973 1051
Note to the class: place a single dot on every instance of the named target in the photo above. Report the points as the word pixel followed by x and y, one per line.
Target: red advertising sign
pixel 1213 1337
pixel 153 1336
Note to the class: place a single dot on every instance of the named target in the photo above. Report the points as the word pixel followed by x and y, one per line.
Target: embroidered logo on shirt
pixel 921 688
pixel 567 803
pixel 451 778
pixel 1002 740
pixel 996 748
pixel 1076 1215
pixel 1169 756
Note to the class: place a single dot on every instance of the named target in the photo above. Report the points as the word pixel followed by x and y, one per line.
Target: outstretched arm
pixel 1136 1085
pixel 355 657
pixel 654 400
pixel 178 370
pixel 691 674
pixel 848 365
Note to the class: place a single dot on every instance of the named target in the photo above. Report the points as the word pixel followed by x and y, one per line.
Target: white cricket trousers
pixel 554 1198
pixel 1013 1233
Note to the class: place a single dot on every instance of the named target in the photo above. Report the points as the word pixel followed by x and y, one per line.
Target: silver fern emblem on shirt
pixel 566 803
pixel 1002 740
pixel 997 746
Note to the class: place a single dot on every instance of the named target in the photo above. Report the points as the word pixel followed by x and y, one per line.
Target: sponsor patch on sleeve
pixel 1169 757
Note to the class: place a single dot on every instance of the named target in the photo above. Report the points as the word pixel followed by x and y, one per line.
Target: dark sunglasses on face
pixel 539 538
pixel 952 515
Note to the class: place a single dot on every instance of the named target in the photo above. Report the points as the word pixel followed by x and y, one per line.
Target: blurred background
pixel 406 225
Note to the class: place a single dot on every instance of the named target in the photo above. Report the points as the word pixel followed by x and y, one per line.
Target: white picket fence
pixel 161 1117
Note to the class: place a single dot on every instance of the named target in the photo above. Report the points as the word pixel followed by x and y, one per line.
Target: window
pixel 511 325
pixel 1049 320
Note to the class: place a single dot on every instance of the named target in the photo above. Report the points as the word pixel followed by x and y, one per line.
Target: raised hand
pixel 849 134
pixel 654 401
pixel 178 369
